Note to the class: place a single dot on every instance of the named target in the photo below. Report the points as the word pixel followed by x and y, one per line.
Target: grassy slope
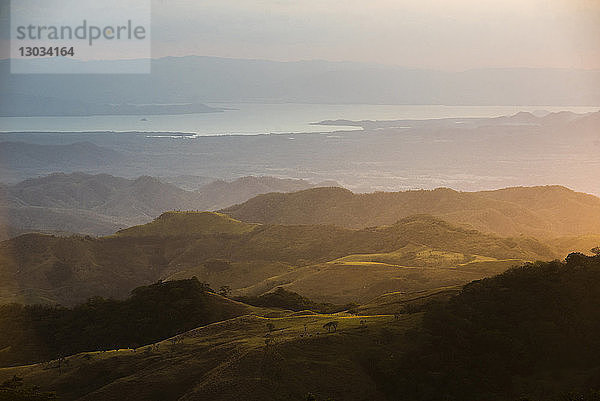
pixel 509 329
pixel 400 302
pixel 583 244
pixel 357 281
pixel 437 255
pixel 229 360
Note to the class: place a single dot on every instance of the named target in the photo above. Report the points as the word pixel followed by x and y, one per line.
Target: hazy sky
pixel 439 34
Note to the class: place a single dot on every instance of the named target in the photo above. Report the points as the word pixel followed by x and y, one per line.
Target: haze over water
pixel 260 118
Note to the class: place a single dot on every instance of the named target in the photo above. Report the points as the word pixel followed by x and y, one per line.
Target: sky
pixel 443 35
pixel 434 34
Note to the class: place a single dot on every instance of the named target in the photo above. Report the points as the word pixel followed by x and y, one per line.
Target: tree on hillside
pixel 225 290
pixel 269 340
pixel 331 326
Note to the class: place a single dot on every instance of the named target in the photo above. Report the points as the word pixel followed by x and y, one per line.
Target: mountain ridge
pixel 543 211
pixel 102 204
pixel 214 79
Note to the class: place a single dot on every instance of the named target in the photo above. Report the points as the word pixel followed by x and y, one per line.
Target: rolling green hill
pixel 342 281
pixel 550 211
pixel 231 360
pixel 221 251
pixel 173 224
pixel 529 333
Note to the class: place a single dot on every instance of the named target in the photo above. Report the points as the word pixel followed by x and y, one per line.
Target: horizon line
pixel 324 61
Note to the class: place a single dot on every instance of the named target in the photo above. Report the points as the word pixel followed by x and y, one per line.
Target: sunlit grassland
pixel 363 277
pixel 243 350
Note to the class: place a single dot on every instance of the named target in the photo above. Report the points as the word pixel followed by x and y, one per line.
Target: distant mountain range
pixel 549 211
pixel 193 80
pixel 551 121
pixel 468 154
pixel 220 192
pixel 102 204
pixel 369 244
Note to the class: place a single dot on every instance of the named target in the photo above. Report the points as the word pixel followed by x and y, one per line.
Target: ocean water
pixel 259 118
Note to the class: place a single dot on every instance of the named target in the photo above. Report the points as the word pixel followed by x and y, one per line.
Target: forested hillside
pixel 223 251
pixel 549 211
